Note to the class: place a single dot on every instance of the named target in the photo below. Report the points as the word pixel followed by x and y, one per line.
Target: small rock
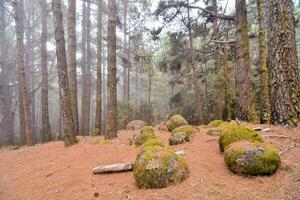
pixel 128 197
pixel 257 128
pixel 96 194
pixel 265 130
pixel 180 153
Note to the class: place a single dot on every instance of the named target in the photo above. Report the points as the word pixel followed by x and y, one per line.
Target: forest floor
pixel 52 172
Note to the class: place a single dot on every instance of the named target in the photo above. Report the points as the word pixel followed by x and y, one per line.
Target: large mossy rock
pixel 187 129
pixel 217 123
pixel 233 132
pixel 175 121
pixel 136 125
pixel 158 167
pixel 179 138
pixel 145 134
pixel 249 158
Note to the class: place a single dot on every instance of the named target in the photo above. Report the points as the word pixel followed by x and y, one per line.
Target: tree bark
pixel 46 134
pixel 72 73
pixel 125 47
pixel 83 118
pixel 88 71
pixel 284 77
pixel 64 92
pixel 99 71
pixel 5 88
pixel 111 120
pixel 18 7
pixel 245 99
pixel 264 89
pixel 227 107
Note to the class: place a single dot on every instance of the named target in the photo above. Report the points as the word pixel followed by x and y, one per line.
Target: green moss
pixel 249 158
pixel 233 132
pixel 157 167
pixel 179 138
pixel 217 123
pixel 154 142
pixel 95 140
pixel 175 121
pixel 214 132
pixel 146 134
pixel 187 129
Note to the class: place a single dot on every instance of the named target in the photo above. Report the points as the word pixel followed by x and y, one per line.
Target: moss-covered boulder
pixel 136 125
pixel 179 138
pixel 217 123
pixel 145 134
pixel 187 129
pixel 249 158
pixel 158 167
pixel 233 132
pixel 175 121
pixel 154 142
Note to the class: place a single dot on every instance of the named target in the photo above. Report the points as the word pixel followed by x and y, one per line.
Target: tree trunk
pixel 111 120
pixel 99 73
pixel 88 71
pixel 125 46
pixel 64 92
pixel 264 89
pixel 245 98
pixel 72 74
pixel 218 90
pixel 284 77
pixel 83 118
pixel 5 89
pixel 18 7
pixel 46 134
pixel 196 83
pixel 227 107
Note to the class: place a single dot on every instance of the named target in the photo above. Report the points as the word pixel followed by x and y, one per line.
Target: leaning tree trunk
pixel 19 15
pixel 264 89
pixel 99 73
pixel 245 97
pixel 284 77
pixel 64 92
pixel 111 120
pixel 72 75
pixel 46 134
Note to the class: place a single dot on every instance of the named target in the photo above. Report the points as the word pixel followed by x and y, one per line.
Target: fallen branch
pixel 57 171
pixel 276 136
pixel 281 152
pixel 119 167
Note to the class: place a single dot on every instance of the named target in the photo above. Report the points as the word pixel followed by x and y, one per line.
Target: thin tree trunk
pixel 64 91
pixel 19 14
pixel 196 83
pixel 264 89
pixel 284 77
pixel 245 98
pixel 227 107
pixel 99 71
pixel 111 120
pixel 6 97
pixel 125 46
pixel 72 74
pixel 46 134
pixel 83 117
pixel 88 71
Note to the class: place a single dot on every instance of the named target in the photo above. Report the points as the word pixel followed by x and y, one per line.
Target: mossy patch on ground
pixel 145 134
pixel 250 158
pixel 234 132
pixel 154 142
pixel 214 132
pixel 187 129
pixel 175 121
pixel 158 167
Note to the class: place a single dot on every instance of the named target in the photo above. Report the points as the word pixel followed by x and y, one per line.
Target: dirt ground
pixel 53 172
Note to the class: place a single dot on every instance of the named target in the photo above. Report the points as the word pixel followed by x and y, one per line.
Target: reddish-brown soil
pixel 24 173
